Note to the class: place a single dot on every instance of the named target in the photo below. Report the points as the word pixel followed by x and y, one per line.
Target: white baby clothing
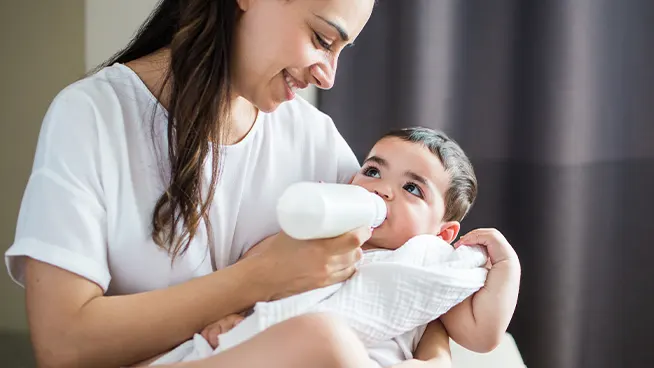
pixel 387 302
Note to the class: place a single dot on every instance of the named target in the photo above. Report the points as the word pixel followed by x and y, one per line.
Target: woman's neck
pixel 152 70
pixel 243 114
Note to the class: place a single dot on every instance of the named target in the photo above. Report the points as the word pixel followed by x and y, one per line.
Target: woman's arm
pixel 433 350
pixel 73 324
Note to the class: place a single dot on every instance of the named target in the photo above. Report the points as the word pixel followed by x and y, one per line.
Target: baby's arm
pixel 479 322
pixel 433 350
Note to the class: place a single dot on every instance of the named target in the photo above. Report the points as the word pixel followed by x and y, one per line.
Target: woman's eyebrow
pixel 341 31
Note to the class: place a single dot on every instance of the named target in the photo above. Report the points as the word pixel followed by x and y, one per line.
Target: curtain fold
pixel 554 103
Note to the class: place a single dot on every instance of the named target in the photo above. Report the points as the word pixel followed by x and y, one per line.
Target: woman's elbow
pixel 54 355
pixel 52 344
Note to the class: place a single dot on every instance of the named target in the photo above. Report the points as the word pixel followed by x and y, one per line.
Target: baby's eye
pixel 372 172
pixel 413 189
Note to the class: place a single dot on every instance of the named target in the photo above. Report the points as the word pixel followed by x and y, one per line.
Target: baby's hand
pixel 211 332
pixel 499 249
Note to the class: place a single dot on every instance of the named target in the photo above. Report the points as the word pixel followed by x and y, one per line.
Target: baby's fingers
pixel 498 247
pixel 211 335
pixel 234 320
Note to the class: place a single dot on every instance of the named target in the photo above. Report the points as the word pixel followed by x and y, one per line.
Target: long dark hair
pixel 199 34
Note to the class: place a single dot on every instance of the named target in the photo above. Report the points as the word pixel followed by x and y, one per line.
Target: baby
pixel 429 186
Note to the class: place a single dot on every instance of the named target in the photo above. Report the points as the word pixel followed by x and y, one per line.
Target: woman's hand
pixel 289 266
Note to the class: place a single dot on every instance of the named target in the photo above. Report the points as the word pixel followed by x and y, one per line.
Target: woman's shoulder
pixel 104 112
pixel 109 104
pixel 110 86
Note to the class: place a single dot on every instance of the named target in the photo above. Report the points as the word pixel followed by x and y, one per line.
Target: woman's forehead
pixel 349 15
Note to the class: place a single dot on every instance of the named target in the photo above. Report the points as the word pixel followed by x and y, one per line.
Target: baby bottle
pixel 309 210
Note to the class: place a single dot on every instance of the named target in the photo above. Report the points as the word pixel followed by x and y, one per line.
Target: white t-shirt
pixel 96 177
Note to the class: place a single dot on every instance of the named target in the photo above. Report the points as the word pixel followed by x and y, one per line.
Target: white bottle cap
pixel 380 205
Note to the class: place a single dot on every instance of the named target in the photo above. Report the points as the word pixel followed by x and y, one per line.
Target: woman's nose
pixel 324 74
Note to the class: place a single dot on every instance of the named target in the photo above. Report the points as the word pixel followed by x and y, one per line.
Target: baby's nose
pixel 383 194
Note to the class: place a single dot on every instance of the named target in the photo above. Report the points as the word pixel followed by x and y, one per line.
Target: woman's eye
pixel 413 189
pixel 321 41
pixel 372 172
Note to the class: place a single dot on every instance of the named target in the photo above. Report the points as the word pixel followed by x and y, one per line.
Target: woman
pixel 156 173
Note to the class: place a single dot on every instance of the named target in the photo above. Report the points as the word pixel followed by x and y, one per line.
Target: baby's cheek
pixel 359 180
pixel 405 230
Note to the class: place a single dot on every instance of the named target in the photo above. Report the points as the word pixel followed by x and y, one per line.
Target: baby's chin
pixel 379 241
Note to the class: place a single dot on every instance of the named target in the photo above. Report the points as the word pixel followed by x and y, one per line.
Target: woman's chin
pixel 268 107
pixel 268 104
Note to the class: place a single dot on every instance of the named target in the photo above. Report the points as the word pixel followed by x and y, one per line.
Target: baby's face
pixel 413 182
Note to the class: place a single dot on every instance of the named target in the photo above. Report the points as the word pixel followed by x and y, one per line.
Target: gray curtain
pixel 554 102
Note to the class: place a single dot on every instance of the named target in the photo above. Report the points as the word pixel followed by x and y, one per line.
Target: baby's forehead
pixel 391 147
pixel 403 155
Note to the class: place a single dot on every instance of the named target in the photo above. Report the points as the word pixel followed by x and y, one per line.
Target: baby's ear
pixel 449 231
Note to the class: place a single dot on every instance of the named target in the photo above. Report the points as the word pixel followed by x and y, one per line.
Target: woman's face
pixel 282 45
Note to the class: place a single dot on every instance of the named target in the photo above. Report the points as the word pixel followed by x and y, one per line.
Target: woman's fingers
pixel 341 261
pixel 294 266
pixel 349 241
pixel 342 275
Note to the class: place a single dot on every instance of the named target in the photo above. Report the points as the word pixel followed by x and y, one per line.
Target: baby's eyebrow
pixel 378 160
pixel 416 177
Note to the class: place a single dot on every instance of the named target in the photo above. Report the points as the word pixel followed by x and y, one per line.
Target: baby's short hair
pixel 462 191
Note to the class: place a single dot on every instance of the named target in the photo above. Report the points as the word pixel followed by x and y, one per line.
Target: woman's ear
pixel 449 231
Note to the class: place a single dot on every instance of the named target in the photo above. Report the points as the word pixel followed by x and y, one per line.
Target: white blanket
pixel 393 292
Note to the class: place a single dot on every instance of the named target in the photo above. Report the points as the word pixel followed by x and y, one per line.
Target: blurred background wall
pixel 42 50
pixel 109 25
pixel 44 46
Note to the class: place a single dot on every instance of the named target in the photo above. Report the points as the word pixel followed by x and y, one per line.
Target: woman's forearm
pixel 73 325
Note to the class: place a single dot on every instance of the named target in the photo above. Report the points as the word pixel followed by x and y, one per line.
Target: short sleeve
pixel 62 219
